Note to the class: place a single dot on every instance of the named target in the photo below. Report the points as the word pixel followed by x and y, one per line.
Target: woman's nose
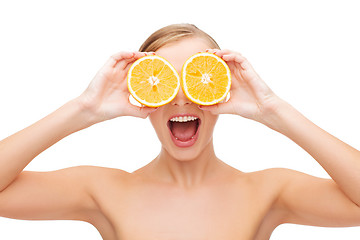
pixel 180 99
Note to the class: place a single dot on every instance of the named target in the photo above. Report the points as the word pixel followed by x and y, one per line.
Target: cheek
pixel 210 123
pixel 154 119
pixel 157 121
pixel 212 119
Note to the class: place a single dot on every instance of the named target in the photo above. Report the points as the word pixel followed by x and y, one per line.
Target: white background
pixel 306 51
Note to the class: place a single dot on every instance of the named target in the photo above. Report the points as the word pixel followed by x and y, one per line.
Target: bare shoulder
pixel 262 190
pixel 101 171
pixel 272 176
pixel 264 184
pixel 269 185
pixel 97 180
pixel 64 194
pixel 273 180
pixel 102 177
pixel 280 177
pixel 105 185
pixel 266 176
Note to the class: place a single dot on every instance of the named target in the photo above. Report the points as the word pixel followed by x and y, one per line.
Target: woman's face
pixel 183 140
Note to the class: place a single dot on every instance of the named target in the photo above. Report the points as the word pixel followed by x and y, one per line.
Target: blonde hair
pixel 173 33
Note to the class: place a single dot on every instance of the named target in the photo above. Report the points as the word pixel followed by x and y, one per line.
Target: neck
pixel 186 173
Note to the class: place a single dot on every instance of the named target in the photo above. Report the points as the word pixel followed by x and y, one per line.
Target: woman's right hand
pixel 107 96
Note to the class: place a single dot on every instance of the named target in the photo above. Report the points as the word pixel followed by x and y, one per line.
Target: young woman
pixel 185 192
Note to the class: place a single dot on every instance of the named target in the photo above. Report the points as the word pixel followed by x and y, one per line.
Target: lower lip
pixel 188 143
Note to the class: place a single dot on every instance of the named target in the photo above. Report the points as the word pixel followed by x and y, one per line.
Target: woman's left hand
pixel 250 97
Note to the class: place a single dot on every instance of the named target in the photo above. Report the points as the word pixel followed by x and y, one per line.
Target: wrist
pixel 78 114
pixel 276 114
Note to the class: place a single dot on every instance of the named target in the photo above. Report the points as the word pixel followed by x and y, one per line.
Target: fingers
pixel 239 62
pixel 114 59
pixel 122 55
pixel 231 56
pixel 238 59
pixel 219 52
pixel 129 55
pixel 219 108
pixel 248 74
pixel 122 59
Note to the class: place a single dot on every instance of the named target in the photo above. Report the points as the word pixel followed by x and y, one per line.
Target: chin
pixel 188 154
pixel 184 136
pixel 185 155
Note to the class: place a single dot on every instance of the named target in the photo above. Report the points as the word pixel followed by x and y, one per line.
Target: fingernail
pixel 244 65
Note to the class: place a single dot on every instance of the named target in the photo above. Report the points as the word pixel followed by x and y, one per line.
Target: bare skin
pixel 182 193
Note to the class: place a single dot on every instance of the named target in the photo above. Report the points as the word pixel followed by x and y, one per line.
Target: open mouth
pixel 184 130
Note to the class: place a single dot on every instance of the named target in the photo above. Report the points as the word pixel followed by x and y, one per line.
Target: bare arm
pixel 340 160
pixel 19 149
pixel 309 200
pixel 306 199
pixel 65 192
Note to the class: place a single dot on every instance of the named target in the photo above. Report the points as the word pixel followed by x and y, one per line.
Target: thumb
pixel 142 112
pixel 219 108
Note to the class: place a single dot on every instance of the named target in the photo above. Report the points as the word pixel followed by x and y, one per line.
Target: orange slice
pixel 206 79
pixel 153 81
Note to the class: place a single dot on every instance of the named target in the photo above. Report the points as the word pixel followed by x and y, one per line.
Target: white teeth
pixel 178 138
pixel 183 119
